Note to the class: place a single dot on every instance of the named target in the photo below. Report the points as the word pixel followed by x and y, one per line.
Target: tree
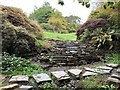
pixel 87 3
pixel 57 21
pixel 42 14
pixel 73 19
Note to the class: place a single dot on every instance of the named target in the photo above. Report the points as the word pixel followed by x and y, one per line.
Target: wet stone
pixel 43 77
pixel 113 65
pixel 75 72
pixel 25 87
pixel 113 80
pixel 104 68
pixel 118 70
pixel 60 75
pixel 88 73
pixel 96 70
pixel 19 78
pixel 116 76
pixel 9 87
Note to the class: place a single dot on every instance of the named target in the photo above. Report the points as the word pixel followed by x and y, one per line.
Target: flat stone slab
pixel 113 65
pixel 118 70
pixel 42 77
pixel 113 80
pixel 104 67
pixel 116 76
pixel 88 73
pixel 2 76
pixel 25 87
pixel 19 78
pixel 75 72
pixel 60 75
pixel 97 70
pixel 9 87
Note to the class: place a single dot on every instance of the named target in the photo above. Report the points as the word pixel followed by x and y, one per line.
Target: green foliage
pixel 58 36
pixel 48 86
pixel 83 37
pixel 42 14
pixel 12 65
pixel 113 58
pixel 42 43
pixel 46 26
pixel 102 38
pixel 93 83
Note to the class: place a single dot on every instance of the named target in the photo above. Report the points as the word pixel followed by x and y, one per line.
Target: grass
pixel 58 36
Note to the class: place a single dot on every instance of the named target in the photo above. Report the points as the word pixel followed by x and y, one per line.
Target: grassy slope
pixel 58 36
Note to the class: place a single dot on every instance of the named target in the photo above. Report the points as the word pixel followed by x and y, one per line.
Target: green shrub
pixel 12 65
pixel 48 86
pixel 113 58
pixel 46 26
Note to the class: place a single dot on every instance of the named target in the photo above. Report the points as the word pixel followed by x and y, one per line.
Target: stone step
pixel 10 87
pixel 60 75
pixel 113 65
pixel 42 77
pixel 118 70
pixel 25 87
pixel 88 73
pixel 104 68
pixel 75 73
pixel 113 80
pixel 116 76
pixel 96 70
pixel 19 78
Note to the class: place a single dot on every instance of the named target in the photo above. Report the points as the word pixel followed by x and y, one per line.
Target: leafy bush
pixel 113 58
pixel 46 26
pixel 48 86
pixel 102 38
pixel 12 65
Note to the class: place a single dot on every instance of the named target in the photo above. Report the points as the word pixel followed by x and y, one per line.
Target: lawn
pixel 58 36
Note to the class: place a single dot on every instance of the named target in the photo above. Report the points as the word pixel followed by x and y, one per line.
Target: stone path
pixel 71 75
pixel 67 53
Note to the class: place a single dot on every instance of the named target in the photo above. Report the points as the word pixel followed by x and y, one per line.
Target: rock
pixel 9 87
pixel 19 78
pixel 60 75
pixel 2 76
pixel 75 72
pixel 25 87
pixel 113 80
pixel 113 65
pixel 118 70
pixel 43 77
pixel 116 76
pixel 88 73
pixel 96 70
pixel 104 68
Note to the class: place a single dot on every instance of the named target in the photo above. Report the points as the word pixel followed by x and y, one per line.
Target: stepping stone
pixel 75 72
pixel 19 78
pixel 116 76
pixel 113 80
pixel 113 65
pixel 9 87
pixel 118 70
pixel 87 73
pixel 60 75
pixel 43 77
pixel 104 68
pixel 2 76
pixel 73 52
pixel 96 70
pixel 25 87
